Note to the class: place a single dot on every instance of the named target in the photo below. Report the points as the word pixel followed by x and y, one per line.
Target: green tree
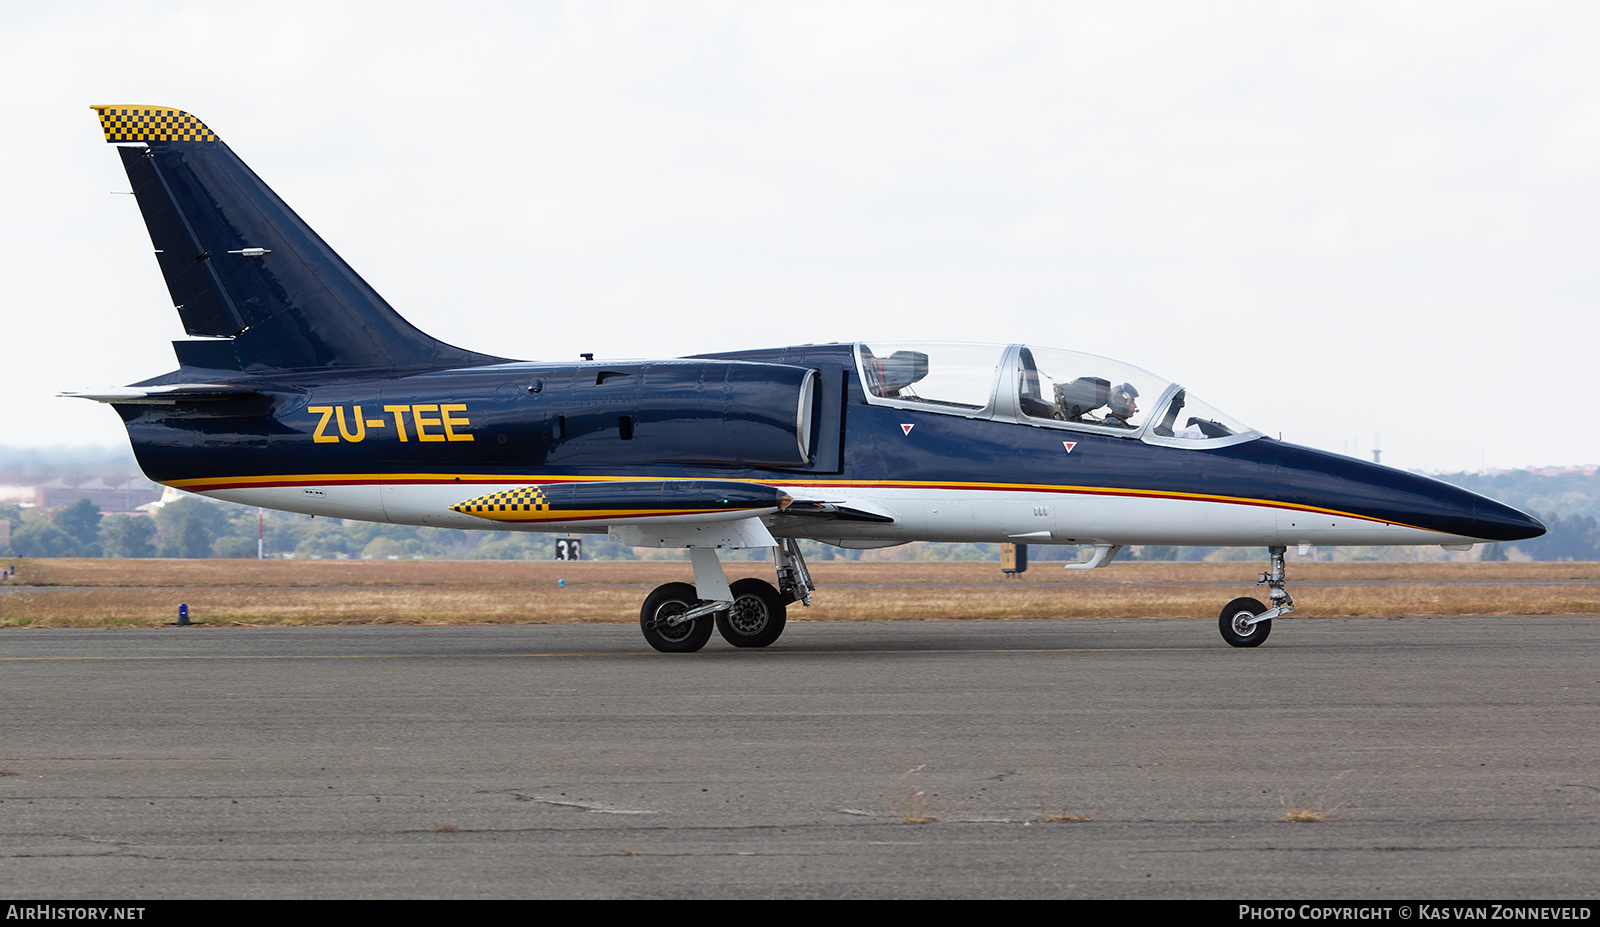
pixel 81 520
pixel 517 546
pixel 190 539
pixel 383 547
pixel 234 547
pixel 1575 537
pixel 12 514
pixel 129 536
pixel 190 526
pixel 42 539
pixel 325 538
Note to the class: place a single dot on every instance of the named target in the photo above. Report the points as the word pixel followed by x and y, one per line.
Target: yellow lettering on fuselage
pixel 420 422
pixel 399 413
pixel 361 426
pixel 327 413
pixel 449 425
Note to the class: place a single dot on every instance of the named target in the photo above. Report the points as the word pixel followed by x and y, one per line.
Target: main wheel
pixel 1235 627
pixel 757 616
pixel 666 602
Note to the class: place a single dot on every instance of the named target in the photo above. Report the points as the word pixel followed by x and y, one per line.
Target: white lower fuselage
pixel 920 514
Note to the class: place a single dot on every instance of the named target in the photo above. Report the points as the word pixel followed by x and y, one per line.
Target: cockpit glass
pixel 1191 419
pixel 1051 387
pixel 954 377
pixel 1082 389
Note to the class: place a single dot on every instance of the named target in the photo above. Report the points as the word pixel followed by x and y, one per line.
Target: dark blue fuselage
pixel 731 417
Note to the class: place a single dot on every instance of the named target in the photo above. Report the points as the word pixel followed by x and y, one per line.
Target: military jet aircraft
pixel 302 390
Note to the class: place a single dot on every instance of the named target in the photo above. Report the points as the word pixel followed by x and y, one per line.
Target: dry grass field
pixel 102 593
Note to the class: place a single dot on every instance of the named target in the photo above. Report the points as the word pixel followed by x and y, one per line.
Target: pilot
pixel 1122 406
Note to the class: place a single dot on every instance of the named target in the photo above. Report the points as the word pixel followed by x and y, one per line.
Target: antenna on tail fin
pixel 241 266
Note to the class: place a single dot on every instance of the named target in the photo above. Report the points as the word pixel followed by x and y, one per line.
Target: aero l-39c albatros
pixel 303 390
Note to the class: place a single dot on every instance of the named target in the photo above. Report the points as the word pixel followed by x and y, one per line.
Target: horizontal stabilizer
pixel 624 499
pixel 165 395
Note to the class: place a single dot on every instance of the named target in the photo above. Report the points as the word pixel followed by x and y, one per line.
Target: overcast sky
pixel 1345 222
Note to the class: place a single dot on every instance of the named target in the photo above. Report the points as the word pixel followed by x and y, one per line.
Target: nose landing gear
pixel 1245 622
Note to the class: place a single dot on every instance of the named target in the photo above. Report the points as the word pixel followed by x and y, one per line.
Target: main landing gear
pixel 678 617
pixel 1245 622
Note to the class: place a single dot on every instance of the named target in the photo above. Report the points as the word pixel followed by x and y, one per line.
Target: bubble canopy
pixel 1044 387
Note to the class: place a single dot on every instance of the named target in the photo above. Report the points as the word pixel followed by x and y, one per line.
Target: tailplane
pixel 246 273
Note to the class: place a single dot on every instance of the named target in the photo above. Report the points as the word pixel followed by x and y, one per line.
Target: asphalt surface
pixel 1452 758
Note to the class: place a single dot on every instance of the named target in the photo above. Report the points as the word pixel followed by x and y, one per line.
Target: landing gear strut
pixel 794 580
pixel 678 617
pixel 1245 622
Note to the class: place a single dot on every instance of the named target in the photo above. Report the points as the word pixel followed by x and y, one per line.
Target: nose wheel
pixel 1245 622
pixel 1239 624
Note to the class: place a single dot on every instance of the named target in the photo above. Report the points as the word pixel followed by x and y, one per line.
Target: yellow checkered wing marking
pixel 151 124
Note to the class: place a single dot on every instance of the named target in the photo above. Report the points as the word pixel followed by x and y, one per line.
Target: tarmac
pixel 1442 758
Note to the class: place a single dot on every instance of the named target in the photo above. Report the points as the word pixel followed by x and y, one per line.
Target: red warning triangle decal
pixel 1069 445
pixel 906 428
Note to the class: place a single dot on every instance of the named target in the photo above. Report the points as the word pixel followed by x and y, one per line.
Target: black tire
pixel 757 616
pixel 666 601
pixel 1231 623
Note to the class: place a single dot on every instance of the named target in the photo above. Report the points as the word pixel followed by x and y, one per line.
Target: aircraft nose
pixel 1498 522
pixel 1395 496
pixel 1449 508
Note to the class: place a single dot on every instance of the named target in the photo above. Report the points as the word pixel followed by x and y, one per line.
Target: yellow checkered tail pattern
pixel 151 124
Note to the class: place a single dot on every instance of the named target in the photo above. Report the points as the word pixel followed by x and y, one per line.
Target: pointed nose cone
pixel 1494 521
pixel 1446 507
pixel 1395 496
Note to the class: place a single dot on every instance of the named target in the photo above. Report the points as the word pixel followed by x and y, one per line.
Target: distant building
pixel 17 494
pixel 113 494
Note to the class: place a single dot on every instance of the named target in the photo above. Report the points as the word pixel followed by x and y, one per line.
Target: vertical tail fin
pixel 241 265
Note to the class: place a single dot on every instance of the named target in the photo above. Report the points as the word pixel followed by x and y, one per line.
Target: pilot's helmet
pixel 1122 398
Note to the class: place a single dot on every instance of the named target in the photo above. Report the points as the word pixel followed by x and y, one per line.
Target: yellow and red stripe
pixel 209 484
